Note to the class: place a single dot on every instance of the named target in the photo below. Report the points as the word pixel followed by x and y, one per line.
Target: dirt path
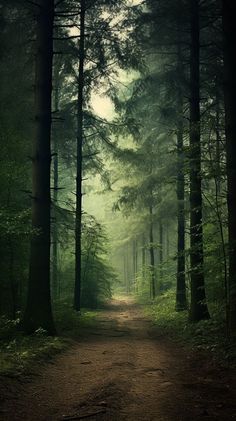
pixel 120 371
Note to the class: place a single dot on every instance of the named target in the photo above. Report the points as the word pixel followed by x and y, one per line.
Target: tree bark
pixel 127 269
pixel 218 139
pixel 135 262
pixel 78 212
pixel 38 313
pixel 55 286
pixel 124 271
pixel 161 254
pixel 143 259
pixel 167 243
pixel 152 257
pixel 229 33
pixel 181 301
pixel 198 307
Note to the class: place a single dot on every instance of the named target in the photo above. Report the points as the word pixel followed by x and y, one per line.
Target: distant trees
pixel 141 193
pixel 169 65
pixel 97 274
pixel 184 70
pixel 156 96
pixel 99 52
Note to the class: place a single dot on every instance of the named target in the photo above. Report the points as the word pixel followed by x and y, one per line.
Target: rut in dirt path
pixel 121 371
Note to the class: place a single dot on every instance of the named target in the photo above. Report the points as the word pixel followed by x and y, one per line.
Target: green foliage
pixel 142 283
pixel 14 224
pixel 70 323
pixel 16 99
pixel 97 274
pixel 19 352
pixel 215 263
pixel 207 335
pixel 8 327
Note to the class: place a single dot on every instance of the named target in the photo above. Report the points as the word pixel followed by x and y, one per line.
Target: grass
pixel 71 324
pixel 18 352
pixel 207 335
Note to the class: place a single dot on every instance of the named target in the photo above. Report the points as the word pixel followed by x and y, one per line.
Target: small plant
pixel 208 335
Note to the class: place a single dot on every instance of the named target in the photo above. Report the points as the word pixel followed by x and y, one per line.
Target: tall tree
pixel 38 311
pixel 55 188
pixel 229 32
pixel 198 307
pixel 181 302
pixel 151 251
pixel 78 211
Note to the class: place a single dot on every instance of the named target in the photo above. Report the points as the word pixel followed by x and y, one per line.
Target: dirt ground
pixel 122 370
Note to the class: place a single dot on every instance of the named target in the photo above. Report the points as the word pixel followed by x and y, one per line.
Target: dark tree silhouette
pixel 198 308
pixel 78 213
pixel 229 32
pixel 38 312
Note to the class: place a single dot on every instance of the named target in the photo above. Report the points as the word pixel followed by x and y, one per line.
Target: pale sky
pixel 103 106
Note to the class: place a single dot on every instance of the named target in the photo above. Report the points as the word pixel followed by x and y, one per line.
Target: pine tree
pixel 229 33
pixel 198 306
pixel 80 135
pixel 38 313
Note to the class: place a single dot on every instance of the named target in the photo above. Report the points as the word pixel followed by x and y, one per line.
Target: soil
pixel 123 370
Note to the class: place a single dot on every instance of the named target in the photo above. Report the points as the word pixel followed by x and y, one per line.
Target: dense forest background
pixel 118 157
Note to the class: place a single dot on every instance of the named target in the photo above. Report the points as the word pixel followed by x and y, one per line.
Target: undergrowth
pixel 18 351
pixel 207 335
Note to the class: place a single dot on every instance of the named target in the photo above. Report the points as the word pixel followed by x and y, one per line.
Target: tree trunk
pixel 167 242
pixel 143 260
pixel 181 302
pixel 124 271
pixel 55 286
pixel 229 32
pixel 161 244
pixel 198 307
pixel 217 179
pixel 38 313
pixel 127 269
pixel 78 213
pixel 134 261
pixel 218 139
pixel 152 258
pixel 13 282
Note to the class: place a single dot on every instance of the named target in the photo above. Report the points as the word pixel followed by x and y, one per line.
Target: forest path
pixel 121 371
